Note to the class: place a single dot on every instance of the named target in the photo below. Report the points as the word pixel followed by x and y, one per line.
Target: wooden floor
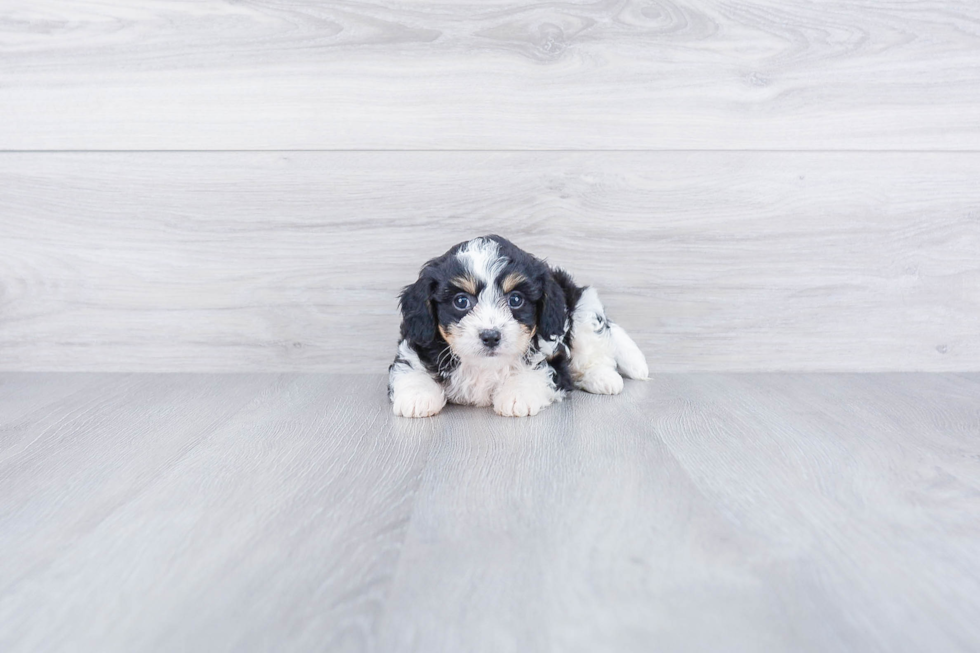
pixel 292 512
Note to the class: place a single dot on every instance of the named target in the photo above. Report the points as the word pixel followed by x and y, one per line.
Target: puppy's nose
pixel 490 337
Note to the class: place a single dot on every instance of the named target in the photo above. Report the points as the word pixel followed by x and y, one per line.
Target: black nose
pixel 490 337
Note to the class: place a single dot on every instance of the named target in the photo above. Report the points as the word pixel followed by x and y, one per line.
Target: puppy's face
pixel 485 298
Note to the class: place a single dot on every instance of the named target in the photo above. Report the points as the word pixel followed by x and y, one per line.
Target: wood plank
pixel 764 512
pixel 23 395
pixel 842 477
pixel 393 74
pixel 702 512
pixel 576 530
pixel 292 261
pixel 228 512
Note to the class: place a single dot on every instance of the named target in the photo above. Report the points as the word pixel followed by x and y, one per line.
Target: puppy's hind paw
pixel 416 403
pixel 629 358
pixel 635 367
pixel 601 381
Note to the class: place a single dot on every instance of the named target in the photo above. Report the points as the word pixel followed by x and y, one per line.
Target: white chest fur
pixel 476 383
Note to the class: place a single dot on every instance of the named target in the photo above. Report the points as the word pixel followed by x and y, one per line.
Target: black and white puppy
pixel 487 324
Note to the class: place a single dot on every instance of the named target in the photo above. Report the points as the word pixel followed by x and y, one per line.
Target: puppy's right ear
pixel 418 317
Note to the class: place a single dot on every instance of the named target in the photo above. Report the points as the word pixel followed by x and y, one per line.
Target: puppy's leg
pixel 629 358
pixel 597 346
pixel 525 392
pixel 412 390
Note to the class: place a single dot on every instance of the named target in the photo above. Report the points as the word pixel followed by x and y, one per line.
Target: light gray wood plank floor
pixel 768 512
pixel 506 74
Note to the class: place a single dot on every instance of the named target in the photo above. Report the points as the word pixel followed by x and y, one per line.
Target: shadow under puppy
pixel 487 324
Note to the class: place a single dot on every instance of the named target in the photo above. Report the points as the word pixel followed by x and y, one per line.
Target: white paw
pixel 629 358
pixel 418 403
pixel 634 367
pixel 511 403
pixel 601 381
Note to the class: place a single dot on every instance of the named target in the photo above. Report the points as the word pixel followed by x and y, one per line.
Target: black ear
pixel 552 319
pixel 418 319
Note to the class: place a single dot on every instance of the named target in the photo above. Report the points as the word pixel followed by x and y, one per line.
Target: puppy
pixel 487 324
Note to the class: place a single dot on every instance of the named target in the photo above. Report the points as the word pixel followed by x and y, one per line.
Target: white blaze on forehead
pixel 482 258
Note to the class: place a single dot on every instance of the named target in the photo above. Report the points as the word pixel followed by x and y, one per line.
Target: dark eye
pixel 461 301
pixel 516 300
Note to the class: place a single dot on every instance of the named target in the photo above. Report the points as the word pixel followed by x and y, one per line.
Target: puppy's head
pixel 485 298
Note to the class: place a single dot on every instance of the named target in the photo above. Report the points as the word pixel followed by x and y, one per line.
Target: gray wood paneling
pixel 271 74
pixel 291 261
pixel 293 513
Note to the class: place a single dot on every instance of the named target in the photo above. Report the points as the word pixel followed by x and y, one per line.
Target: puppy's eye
pixel 516 300
pixel 462 302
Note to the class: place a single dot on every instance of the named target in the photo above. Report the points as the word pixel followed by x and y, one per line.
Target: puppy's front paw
pixel 601 381
pixel 512 403
pixel 418 403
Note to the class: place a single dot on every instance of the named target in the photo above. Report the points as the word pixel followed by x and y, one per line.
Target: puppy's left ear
pixel 551 321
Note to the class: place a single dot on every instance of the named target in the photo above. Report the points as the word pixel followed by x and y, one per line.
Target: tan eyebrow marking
pixel 466 283
pixel 511 280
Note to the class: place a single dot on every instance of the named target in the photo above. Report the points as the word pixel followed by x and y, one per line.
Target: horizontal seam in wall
pixel 501 151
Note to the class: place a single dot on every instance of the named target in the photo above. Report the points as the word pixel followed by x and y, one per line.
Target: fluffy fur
pixel 487 324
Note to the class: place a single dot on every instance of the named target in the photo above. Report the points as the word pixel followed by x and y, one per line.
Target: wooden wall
pixel 231 186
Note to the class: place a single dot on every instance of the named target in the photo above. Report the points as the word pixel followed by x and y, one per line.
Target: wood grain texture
pixel 289 74
pixel 292 261
pixel 703 512
pixel 765 512
pixel 258 512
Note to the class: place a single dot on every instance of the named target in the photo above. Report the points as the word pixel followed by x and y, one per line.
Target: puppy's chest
pixel 475 385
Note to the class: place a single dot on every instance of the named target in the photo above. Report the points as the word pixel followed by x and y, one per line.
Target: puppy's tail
pixel 629 359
